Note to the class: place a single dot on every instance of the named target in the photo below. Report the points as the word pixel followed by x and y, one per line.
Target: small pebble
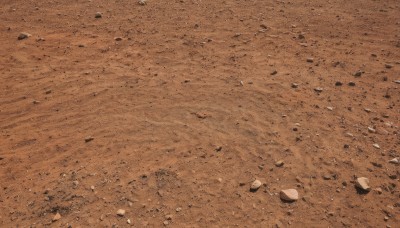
pixel 98 15
pixel 394 161
pixel 255 185
pixel 88 139
pixel 388 66
pixel 310 60
pixel 24 35
pixel 142 2
pixel 376 145
pixel 371 130
pixel 352 84
pixel 56 217
pixel 121 212
pixel 338 83
pixel 358 73
pixel 318 89
pixel 279 163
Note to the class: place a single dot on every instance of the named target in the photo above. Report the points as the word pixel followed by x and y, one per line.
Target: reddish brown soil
pixel 187 78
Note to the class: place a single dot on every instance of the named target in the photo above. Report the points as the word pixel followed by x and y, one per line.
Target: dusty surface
pixel 175 121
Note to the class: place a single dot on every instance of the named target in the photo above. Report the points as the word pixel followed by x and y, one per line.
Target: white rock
pixel 255 185
pixel 376 145
pixel 363 183
pixel 142 2
pixel 289 195
pixel 394 161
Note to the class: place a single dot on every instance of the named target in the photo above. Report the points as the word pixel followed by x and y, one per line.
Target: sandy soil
pixel 194 100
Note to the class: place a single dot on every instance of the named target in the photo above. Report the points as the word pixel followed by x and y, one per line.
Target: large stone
pixel 289 195
pixel 363 184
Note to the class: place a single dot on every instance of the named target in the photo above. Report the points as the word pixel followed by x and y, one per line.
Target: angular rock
pixel 363 184
pixel 56 217
pixel 395 161
pixel 24 35
pixel 289 195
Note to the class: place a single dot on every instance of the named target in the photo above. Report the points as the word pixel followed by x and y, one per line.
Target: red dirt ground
pixel 189 78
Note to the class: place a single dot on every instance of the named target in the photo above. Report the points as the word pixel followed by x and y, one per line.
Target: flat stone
pixel 376 145
pixel 310 60
pixel 121 212
pixel 289 195
pixel 371 130
pixel 318 89
pixel 142 2
pixel 388 66
pixel 363 184
pixel 255 185
pixel 88 139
